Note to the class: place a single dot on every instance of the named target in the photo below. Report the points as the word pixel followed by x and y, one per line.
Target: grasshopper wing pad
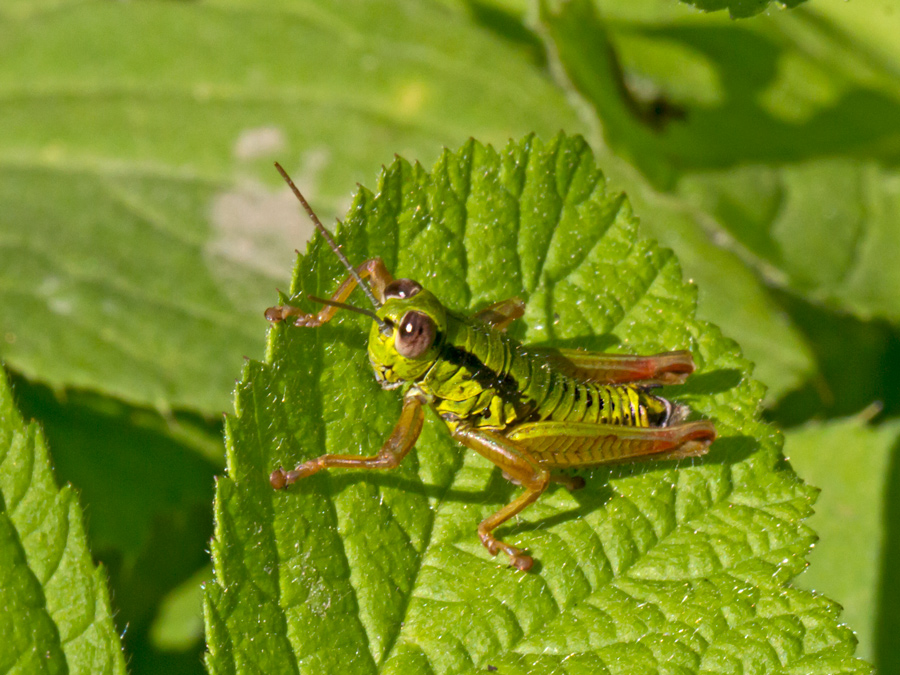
pixel 567 444
pixel 501 314
pixel 666 368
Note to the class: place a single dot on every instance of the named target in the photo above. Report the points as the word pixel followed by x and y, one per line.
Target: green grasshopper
pixel 528 410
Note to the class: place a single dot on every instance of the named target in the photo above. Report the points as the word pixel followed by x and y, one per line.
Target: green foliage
pixel 672 568
pixel 854 465
pixel 148 485
pixel 739 8
pixel 188 254
pixel 142 229
pixel 56 616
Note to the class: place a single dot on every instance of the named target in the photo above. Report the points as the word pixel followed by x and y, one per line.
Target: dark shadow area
pixel 748 64
pixel 858 361
pixel 860 122
pixel 154 662
pixel 588 343
pixel 341 479
pixel 653 110
pixel 174 552
pixel 656 112
pixel 146 485
pixel 594 496
pixel 887 655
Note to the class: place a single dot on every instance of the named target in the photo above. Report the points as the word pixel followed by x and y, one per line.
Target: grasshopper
pixel 528 410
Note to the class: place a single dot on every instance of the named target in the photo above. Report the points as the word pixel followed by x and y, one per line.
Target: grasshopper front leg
pixel 398 444
pixel 372 269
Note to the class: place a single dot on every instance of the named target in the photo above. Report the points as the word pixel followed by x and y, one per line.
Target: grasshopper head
pixel 404 345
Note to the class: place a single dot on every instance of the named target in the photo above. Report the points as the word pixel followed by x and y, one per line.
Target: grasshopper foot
pixel 280 478
pixel 276 314
pixel 283 312
pixel 521 562
pixel 517 557
pixel 277 479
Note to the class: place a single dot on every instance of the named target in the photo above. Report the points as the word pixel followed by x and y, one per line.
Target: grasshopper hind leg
pixel 518 467
pixel 527 457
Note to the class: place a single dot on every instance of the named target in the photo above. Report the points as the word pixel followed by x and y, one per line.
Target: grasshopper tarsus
pixel 283 312
pixel 517 557
pixel 522 562
pixel 280 479
pixel 280 313
pixel 308 321
pixel 277 479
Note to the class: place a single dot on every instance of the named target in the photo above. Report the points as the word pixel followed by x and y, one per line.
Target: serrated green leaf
pixel 56 614
pixel 666 567
pixel 137 240
pixel 146 483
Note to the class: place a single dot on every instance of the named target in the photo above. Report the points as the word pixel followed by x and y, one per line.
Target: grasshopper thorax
pixel 406 340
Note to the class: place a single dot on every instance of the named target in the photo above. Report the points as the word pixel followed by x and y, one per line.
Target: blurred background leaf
pixel 855 467
pixel 142 230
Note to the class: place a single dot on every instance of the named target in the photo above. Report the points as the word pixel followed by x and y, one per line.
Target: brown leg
pixel 666 368
pixel 520 468
pixel 581 444
pixel 400 442
pixel 373 269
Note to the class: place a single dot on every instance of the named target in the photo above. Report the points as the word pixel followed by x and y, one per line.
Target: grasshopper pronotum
pixel 528 410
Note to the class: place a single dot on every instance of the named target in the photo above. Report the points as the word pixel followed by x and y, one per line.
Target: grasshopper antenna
pixel 334 247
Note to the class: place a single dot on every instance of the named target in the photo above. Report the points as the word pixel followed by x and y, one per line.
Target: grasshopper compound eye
pixel 415 335
pixel 402 288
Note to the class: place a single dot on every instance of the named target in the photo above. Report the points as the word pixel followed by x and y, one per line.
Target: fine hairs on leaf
pixel 670 567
